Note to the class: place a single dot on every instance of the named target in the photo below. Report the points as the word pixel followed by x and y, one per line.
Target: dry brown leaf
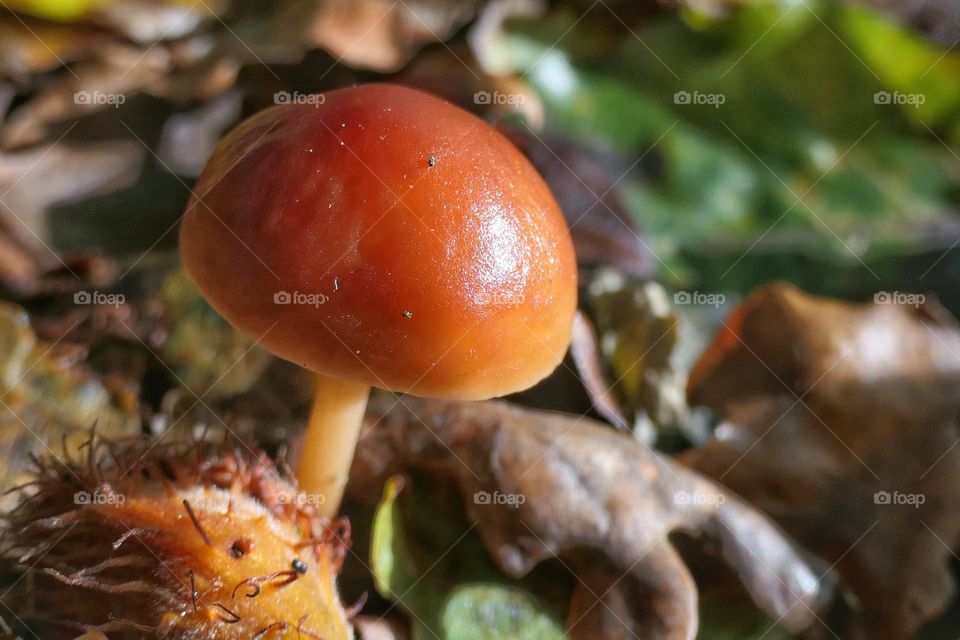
pixel 18 269
pixel 840 422
pixel 453 74
pixel 188 139
pixel 148 21
pixel 589 491
pixel 585 353
pixel 7 94
pixel 30 46
pixel 91 86
pixel 205 70
pixel 375 34
pixel 34 180
pixel 487 30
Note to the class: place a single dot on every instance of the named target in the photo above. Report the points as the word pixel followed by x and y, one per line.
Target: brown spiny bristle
pixel 140 540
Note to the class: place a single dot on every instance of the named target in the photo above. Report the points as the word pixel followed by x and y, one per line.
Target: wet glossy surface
pixel 419 249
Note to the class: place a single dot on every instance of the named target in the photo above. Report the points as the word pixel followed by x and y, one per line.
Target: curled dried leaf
pixel 585 353
pixel 373 34
pixel 36 179
pixel 148 22
pixel 188 139
pixel 839 420
pixel 567 486
pixel 90 86
pixel 33 46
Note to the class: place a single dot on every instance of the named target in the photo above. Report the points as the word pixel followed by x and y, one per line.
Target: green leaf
pixel 495 611
pixel 443 580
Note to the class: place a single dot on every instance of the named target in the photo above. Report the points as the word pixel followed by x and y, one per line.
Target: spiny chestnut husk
pixel 175 542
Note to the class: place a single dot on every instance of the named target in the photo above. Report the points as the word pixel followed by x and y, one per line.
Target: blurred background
pixel 699 149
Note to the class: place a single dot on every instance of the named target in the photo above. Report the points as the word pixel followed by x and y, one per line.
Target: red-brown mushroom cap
pixel 383 235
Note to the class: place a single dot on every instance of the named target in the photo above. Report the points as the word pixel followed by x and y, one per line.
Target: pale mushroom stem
pixel 331 437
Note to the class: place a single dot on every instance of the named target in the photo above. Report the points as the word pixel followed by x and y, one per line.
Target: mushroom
pixel 380 236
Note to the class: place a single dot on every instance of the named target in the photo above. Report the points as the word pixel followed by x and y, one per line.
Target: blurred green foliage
pixel 811 127
pixel 207 355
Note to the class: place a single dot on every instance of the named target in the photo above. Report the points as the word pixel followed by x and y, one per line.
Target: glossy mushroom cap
pixel 383 235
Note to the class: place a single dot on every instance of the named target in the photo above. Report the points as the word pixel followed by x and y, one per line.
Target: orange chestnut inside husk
pixel 144 540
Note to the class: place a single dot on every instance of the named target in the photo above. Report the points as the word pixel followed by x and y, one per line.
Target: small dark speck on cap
pixel 408 314
pixel 431 161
